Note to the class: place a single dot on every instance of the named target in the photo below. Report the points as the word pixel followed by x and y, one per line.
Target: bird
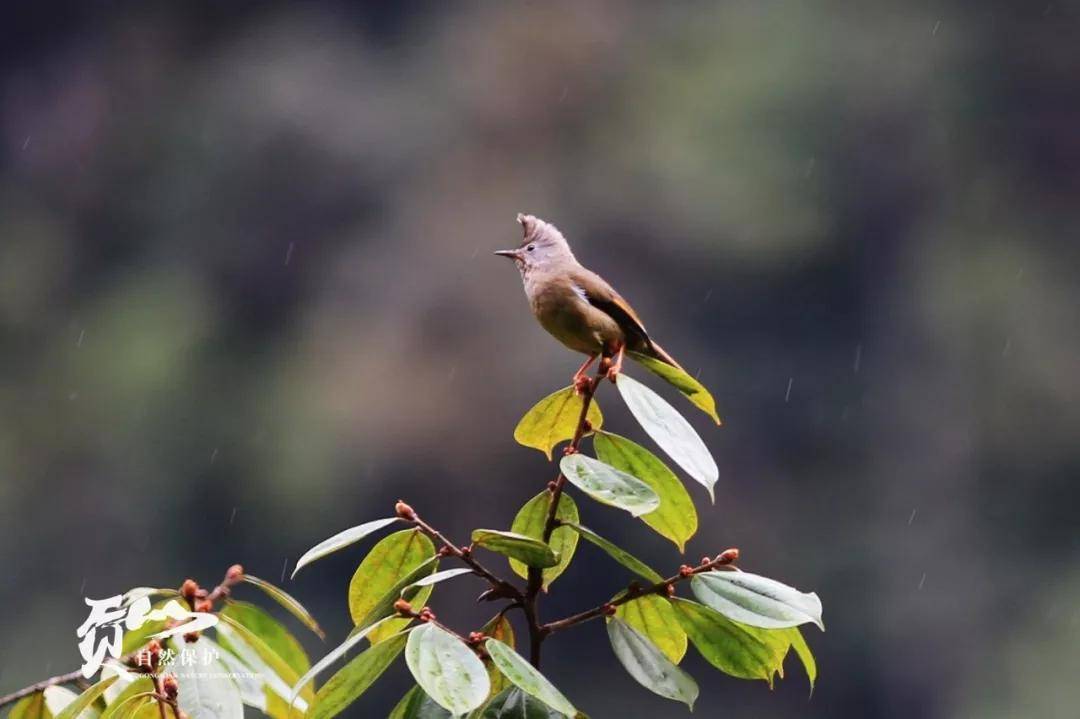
pixel 577 306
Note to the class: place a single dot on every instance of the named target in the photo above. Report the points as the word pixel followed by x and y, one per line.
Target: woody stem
pixel 537 631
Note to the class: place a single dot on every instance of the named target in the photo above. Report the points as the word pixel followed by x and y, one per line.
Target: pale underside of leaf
pixel 653 616
pixel 680 380
pixel 341 540
pixel 755 600
pixel 208 690
pixel 608 485
pixel 433 579
pixel 670 430
pixel 524 676
pixel 447 669
pixel 644 661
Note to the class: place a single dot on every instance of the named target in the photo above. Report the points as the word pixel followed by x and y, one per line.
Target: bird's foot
pixel 616 367
pixel 581 384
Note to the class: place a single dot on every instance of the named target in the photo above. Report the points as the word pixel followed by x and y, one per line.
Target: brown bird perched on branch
pixel 577 306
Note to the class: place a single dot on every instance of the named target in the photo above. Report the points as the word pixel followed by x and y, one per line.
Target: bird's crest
pixel 536 230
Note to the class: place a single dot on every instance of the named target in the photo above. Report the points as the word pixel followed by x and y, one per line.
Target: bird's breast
pixel 567 315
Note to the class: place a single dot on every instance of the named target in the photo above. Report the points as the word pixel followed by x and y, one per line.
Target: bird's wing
pixel 603 297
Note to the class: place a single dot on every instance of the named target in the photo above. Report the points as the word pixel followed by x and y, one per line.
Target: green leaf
pixel 512 703
pixel 30 707
pixel 798 643
pixel 207 690
pixel 524 676
pixel 447 669
pixel 276 707
pixel 341 540
pixel 620 555
pixel 128 701
pixel 670 430
pixel 354 678
pixel 532 552
pixel 644 661
pixel 530 521
pixel 376 581
pixel 271 631
pixel 499 627
pixel 608 485
pixel 554 419
pixel 288 602
pixel 676 517
pixel 680 380
pixel 86 699
pixel 385 606
pixel 124 678
pixel 755 600
pixel 653 616
pixel 336 653
pixel 418 705
pixel 256 654
pixel 733 648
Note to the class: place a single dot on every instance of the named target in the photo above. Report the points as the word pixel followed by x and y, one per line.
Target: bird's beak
pixel 512 254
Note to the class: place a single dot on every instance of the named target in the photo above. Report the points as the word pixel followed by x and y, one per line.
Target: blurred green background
pixel 247 299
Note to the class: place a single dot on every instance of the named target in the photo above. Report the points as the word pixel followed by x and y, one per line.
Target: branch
pixel 500 588
pixel 665 587
pixel 536 576
pixel 44 684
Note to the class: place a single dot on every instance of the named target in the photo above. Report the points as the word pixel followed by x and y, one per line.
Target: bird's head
pixel 543 246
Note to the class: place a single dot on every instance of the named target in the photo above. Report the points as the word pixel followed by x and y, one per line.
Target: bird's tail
pixel 661 354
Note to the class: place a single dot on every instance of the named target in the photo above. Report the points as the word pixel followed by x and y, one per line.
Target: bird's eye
pixel 530 248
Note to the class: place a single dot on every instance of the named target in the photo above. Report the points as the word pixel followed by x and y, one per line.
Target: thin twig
pixel 41 686
pixel 502 587
pixel 663 588
pixel 159 686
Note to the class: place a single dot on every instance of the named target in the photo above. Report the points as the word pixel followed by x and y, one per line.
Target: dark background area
pixel 247 299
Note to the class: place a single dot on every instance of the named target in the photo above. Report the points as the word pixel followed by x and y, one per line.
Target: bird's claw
pixel 613 373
